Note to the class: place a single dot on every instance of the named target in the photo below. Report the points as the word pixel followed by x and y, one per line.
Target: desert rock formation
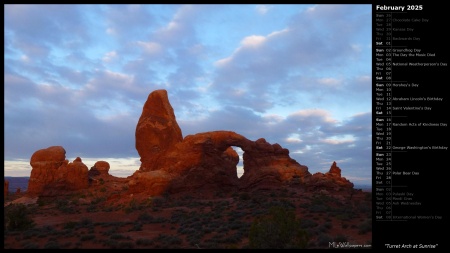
pixel 173 164
pixel 52 174
pixel 332 180
pixel 99 168
pixel 157 129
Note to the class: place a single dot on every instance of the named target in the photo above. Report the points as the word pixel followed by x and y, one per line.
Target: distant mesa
pixel 173 164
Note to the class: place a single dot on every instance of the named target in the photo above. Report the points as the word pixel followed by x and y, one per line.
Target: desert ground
pixel 104 219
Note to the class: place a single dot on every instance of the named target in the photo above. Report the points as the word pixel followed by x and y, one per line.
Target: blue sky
pixel 298 75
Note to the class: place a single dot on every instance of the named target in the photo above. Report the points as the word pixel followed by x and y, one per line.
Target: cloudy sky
pixel 77 76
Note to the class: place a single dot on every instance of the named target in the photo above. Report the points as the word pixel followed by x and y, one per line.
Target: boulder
pixel 99 168
pixel 53 175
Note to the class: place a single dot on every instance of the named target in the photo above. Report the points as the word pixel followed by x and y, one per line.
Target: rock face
pixel 208 161
pixel 331 180
pixel 157 129
pixel 99 168
pixel 171 164
pixel 204 160
pixel 53 175
pixel 6 188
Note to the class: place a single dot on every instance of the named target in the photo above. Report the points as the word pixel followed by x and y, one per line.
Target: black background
pixel 431 187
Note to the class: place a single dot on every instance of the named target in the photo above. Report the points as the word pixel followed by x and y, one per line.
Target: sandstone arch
pixel 170 163
pixel 206 160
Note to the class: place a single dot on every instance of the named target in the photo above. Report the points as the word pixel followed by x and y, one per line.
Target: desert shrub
pixel 113 244
pixel 85 222
pixel 364 207
pixel 52 245
pixel 286 204
pixel 157 201
pixel 87 237
pixel 244 196
pixel 365 226
pixel 343 216
pixel 169 239
pixel 279 229
pixel 70 225
pixel 234 238
pixel 136 227
pixel 64 206
pixel 318 208
pixel 29 245
pixel 307 223
pixel 144 242
pixel 108 208
pixel 41 202
pixel 66 245
pixel 110 231
pixel 125 245
pixel 133 205
pixel 207 245
pixel 145 217
pixel 325 226
pixel 220 194
pixel 117 236
pixel 78 245
pixel 208 230
pixel 98 200
pixel 340 238
pixel 237 224
pixel 322 199
pixel 30 233
pixel 16 217
pixel 324 240
pixel 194 238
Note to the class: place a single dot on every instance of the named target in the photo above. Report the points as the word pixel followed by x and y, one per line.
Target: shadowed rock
pixel 331 180
pixel 6 188
pixel 99 168
pixel 53 175
pixel 207 161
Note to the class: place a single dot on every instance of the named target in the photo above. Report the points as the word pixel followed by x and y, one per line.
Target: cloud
pixel 34 29
pixel 151 48
pixel 78 76
pixel 262 9
pixel 289 59
pixel 127 21
pixel 110 56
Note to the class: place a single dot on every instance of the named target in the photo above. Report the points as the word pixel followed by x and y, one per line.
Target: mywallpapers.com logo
pixel 347 245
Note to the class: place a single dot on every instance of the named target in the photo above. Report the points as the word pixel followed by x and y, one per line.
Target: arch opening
pixel 240 165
